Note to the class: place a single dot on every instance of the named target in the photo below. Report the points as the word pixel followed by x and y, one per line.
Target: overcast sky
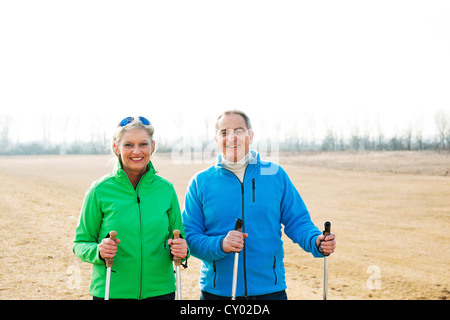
pixel 328 63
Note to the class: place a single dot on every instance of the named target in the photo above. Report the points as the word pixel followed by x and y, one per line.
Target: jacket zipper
pixel 215 272
pixel 138 199
pixel 140 238
pixel 243 228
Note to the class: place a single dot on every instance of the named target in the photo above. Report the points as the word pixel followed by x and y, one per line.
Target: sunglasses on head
pixel 128 120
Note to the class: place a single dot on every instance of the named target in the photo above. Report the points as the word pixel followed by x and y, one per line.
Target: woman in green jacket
pixel 143 209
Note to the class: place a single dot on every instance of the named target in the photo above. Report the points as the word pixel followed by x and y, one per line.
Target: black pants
pixel 169 296
pixel 281 295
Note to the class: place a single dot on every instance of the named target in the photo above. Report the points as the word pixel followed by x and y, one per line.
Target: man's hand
pixel 326 244
pixel 234 241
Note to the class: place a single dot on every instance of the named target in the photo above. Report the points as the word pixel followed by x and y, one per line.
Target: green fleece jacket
pixel 144 219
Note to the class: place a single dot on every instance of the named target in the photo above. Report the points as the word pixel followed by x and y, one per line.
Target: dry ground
pixel 390 211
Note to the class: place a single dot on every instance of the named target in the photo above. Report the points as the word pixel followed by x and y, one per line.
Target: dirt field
pixel 390 211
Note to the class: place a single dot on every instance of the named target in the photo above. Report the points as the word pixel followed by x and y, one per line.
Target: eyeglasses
pixel 128 120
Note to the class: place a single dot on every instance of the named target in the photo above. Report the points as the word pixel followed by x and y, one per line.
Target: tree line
pixel 358 139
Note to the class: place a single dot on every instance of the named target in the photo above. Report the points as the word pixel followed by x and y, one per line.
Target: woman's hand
pixel 178 247
pixel 108 248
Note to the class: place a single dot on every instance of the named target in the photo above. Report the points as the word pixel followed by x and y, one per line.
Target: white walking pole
pixel 237 227
pixel 176 235
pixel 109 264
pixel 326 232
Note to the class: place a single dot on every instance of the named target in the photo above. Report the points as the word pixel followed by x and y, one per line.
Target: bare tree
pixel 311 127
pixel 442 126
pixel 418 134
pixel 5 126
pixel 366 137
pixel 291 135
pixel 46 128
pixel 64 125
pixel 341 142
pixel 380 136
pixel 330 140
pixel 355 138
pixel 408 137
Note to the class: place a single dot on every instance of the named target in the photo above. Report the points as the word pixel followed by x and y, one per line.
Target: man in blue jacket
pixel 241 185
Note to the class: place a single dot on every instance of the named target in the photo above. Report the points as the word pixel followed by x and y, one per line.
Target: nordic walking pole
pixel 326 232
pixel 176 235
pixel 237 227
pixel 109 264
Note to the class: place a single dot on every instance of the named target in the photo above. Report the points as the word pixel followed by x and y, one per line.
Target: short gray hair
pixel 241 113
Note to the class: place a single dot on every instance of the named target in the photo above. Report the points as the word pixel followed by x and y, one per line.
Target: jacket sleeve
pixel 202 246
pixel 175 221
pixel 86 234
pixel 296 219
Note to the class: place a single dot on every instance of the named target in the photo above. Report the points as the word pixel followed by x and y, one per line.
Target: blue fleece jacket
pixel 264 200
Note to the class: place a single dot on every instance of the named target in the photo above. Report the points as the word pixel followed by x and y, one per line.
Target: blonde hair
pixel 120 131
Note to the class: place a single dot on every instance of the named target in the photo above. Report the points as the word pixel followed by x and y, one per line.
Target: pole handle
pixel 238 225
pixel 110 261
pixel 176 235
pixel 326 232
pixel 113 235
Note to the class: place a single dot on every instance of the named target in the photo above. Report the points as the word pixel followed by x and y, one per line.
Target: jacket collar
pixel 254 154
pixel 122 176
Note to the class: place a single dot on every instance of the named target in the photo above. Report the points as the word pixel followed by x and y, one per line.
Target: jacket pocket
pixel 253 190
pixel 215 273
pixel 274 268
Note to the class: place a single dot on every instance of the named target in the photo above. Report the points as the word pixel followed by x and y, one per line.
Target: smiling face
pixel 233 137
pixel 135 149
